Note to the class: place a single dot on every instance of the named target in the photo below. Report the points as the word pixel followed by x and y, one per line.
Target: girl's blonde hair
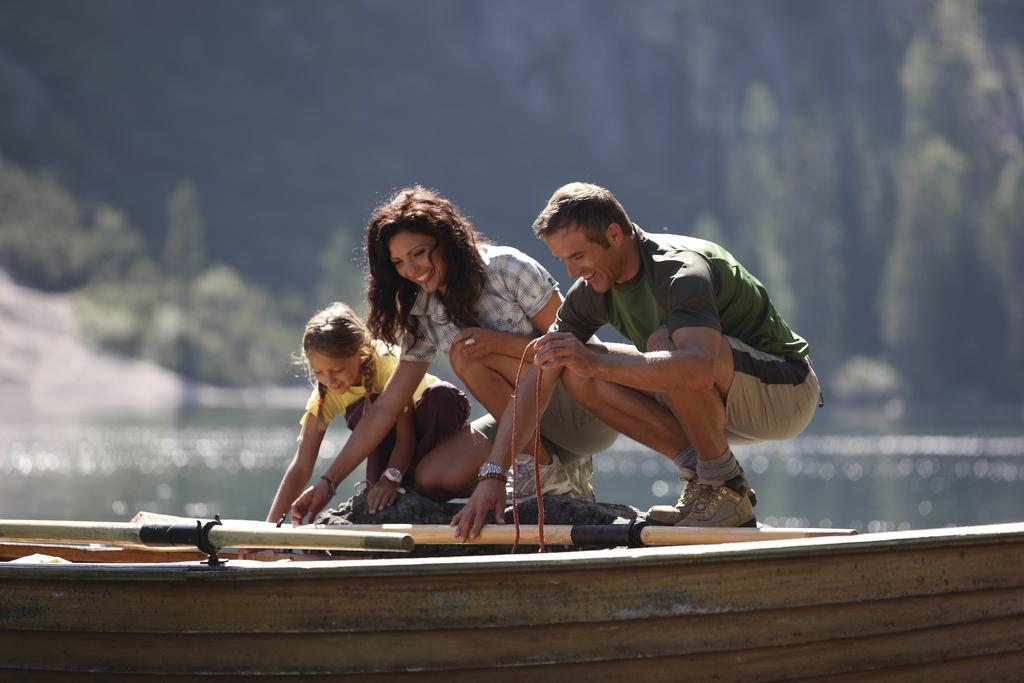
pixel 337 331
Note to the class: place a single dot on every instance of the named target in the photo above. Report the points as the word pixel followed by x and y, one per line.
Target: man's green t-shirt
pixel 683 282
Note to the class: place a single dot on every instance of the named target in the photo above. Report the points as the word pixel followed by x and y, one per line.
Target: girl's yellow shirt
pixel 336 404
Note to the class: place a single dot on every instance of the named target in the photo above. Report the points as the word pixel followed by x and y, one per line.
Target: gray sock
pixel 717 471
pixel 686 459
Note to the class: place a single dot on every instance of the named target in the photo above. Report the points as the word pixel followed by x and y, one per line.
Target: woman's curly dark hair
pixel 420 210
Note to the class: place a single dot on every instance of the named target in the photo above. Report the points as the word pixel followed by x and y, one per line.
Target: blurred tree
pixel 798 152
pixel 756 195
pixel 924 267
pixel 707 228
pixel 1001 239
pixel 39 230
pixel 783 183
pixel 43 241
pixel 183 259
pixel 184 248
pixel 940 279
pixel 238 335
pixel 811 231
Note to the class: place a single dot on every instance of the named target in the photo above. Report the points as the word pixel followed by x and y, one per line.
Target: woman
pixel 436 285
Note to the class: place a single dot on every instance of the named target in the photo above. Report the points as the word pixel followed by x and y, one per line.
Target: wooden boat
pixel 936 605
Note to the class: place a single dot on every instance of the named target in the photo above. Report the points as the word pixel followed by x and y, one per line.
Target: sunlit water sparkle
pixel 108 470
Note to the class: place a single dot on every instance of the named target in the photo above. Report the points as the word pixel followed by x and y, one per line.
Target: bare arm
pixel 367 435
pixel 384 490
pixel 690 366
pixel 506 344
pixel 300 469
pixel 489 494
pixel 379 420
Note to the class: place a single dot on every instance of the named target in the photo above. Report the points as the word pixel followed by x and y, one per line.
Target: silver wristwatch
pixel 393 474
pixel 491 471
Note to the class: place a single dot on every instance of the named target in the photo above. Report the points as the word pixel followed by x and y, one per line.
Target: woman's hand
pixel 381 495
pixel 488 496
pixel 311 502
pixel 477 342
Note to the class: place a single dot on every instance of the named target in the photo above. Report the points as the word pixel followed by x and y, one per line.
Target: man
pixel 713 363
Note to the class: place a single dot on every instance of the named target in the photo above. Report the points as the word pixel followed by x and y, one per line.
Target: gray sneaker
pixel 719 507
pixel 557 479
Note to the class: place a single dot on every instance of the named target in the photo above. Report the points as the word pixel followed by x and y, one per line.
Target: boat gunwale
pixel 570 561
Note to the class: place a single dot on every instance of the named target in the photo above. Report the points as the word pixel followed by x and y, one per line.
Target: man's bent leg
pixel 721 494
pixel 630 412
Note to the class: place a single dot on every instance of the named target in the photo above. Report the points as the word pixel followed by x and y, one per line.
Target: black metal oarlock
pixel 174 535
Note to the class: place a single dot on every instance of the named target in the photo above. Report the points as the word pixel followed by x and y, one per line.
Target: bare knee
pixel 459 361
pixel 466 368
pixel 430 481
pixel 579 387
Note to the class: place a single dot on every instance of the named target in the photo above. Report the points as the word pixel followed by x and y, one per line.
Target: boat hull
pixel 942 605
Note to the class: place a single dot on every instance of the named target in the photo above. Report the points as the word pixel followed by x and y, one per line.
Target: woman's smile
pixel 414 256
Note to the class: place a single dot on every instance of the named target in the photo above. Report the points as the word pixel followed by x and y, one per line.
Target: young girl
pixel 347 369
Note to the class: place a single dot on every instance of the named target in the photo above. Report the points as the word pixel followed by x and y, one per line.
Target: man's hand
pixel 563 349
pixel 476 342
pixel 488 496
pixel 381 495
pixel 311 502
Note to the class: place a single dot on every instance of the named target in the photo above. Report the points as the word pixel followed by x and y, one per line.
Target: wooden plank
pixel 1005 666
pixel 268 597
pixel 539 644
pixel 992 668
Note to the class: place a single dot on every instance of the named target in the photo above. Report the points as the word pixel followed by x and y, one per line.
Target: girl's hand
pixel 381 495
pixel 311 502
pixel 476 342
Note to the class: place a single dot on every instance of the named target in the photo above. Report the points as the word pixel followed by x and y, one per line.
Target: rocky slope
pixel 47 366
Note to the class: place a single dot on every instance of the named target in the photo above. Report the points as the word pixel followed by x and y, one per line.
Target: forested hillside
pixel 200 172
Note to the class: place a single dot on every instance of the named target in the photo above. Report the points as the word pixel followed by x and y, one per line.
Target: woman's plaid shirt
pixel 516 288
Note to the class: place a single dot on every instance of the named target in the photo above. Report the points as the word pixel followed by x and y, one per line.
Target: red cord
pixel 536 469
pixel 536 457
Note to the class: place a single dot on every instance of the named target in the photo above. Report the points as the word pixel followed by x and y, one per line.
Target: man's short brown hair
pixel 590 207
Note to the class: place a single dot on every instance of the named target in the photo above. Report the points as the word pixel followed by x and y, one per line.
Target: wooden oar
pixel 602 535
pixel 208 537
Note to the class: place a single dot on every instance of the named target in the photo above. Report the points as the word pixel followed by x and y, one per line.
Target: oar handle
pixel 600 535
pixel 312 539
pixel 208 538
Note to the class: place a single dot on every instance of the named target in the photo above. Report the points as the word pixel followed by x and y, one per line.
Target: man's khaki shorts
pixel 772 398
pixel 566 428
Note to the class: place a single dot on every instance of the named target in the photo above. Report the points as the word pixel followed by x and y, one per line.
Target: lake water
pixel 870 475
